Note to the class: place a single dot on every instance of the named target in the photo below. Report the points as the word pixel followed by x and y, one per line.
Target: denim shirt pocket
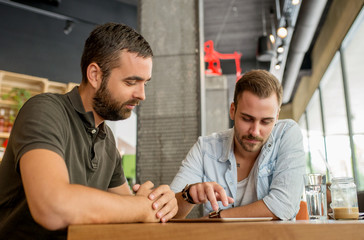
pixel 265 178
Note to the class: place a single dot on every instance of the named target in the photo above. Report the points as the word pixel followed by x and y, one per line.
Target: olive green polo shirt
pixel 58 123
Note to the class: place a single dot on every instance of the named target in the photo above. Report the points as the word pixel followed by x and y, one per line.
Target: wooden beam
pixel 339 19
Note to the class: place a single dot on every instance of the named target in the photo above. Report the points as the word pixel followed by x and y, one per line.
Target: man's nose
pixel 139 92
pixel 254 129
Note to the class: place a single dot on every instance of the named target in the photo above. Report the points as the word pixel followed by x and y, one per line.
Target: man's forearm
pixel 55 203
pixel 256 209
pixel 82 205
pixel 121 190
pixel 184 208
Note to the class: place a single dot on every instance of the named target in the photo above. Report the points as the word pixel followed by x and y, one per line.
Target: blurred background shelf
pixel 18 84
pixel 4 135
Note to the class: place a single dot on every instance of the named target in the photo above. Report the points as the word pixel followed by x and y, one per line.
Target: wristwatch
pixel 186 194
pixel 215 214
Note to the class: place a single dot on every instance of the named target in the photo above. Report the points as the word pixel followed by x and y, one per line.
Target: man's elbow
pixel 283 211
pixel 48 218
pixel 289 214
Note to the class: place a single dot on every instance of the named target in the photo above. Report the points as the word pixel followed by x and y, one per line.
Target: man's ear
pixel 94 75
pixel 232 111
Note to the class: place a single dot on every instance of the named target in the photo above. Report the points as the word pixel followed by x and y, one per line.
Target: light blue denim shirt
pixel 281 165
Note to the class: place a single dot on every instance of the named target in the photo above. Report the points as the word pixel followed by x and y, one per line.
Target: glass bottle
pixel 344 200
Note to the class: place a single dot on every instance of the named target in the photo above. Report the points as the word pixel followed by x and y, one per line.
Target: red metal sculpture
pixel 213 58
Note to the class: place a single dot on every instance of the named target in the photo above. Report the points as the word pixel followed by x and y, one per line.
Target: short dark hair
pixel 104 44
pixel 259 82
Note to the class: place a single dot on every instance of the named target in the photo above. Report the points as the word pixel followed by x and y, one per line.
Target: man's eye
pixel 267 122
pixel 131 82
pixel 247 119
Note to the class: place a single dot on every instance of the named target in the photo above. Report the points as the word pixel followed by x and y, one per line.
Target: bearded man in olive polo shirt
pixel 61 165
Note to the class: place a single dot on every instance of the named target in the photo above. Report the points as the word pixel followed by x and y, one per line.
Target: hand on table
pixel 209 191
pixel 163 198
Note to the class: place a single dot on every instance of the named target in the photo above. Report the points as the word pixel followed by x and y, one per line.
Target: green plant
pixel 19 96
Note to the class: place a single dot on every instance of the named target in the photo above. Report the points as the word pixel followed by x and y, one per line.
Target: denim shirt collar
pixel 228 148
pixel 267 147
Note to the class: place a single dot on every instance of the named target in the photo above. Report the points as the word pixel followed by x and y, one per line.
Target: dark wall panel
pixel 35 44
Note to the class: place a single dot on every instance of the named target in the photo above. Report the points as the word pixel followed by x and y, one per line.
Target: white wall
pixel 125 129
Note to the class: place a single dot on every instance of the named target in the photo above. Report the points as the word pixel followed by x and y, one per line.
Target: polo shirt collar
pixel 86 117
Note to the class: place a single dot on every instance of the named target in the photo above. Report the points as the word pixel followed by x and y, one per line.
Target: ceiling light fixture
pixel 295 2
pixel 272 39
pixel 265 50
pixel 278 65
pixel 272 36
pixel 68 27
pixel 280 49
pixel 282 32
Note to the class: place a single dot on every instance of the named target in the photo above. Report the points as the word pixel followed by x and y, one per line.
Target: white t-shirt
pixel 246 191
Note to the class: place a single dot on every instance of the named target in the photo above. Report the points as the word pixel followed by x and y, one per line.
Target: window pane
pixel 359 151
pixel 354 58
pixel 336 126
pixel 303 125
pixel 333 99
pixel 339 155
pixel 315 135
pixel 354 62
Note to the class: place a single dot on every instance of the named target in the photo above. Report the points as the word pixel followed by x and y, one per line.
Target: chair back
pixel 303 212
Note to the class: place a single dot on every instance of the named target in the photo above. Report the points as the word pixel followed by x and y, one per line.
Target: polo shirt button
pixel 269 145
pixel 93 131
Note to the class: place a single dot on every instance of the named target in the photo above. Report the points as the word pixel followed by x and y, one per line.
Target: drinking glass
pixel 315 191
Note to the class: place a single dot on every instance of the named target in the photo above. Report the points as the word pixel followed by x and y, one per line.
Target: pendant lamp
pixel 265 51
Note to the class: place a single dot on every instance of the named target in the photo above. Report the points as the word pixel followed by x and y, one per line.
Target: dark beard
pixel 247 147
pixel 107 107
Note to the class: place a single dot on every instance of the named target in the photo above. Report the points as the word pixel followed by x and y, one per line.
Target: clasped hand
pixel 163 199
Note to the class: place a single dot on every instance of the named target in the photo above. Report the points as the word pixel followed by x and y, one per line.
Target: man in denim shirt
pixel 254 169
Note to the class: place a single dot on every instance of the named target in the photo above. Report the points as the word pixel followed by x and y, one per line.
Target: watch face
pixel 215 214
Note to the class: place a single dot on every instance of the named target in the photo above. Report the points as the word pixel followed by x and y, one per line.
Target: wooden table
pixel 329 229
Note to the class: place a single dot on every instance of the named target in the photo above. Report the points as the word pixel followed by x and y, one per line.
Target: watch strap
pixel 186 194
